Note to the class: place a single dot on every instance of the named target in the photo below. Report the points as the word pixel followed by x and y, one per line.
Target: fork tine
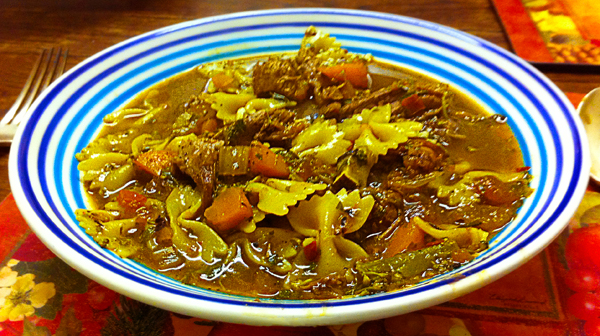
pixel 35 89
pixel 13 109
pixel 56 68
pixel 62 64
pixel 50 73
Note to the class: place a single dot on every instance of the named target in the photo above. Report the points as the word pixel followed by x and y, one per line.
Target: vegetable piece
pixel 229 209
pixel 222 81
pixel 131 200
pixel 356 73
pixel 311 251
pixel 582 248
pixel 210 125
pixel 155 162
pixel 233 160
pixel 413 104
pixel 264 162
pixel 409 236
pixel 410 264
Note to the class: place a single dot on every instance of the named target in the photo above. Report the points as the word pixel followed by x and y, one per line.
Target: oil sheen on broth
pixel 314 175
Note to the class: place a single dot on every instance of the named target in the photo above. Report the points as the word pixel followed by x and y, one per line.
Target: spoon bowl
pixel 589 111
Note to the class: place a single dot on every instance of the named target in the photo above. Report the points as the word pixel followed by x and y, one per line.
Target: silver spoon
pixel 589 111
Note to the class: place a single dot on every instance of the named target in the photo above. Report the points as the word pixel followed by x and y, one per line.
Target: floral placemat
pixel 553 31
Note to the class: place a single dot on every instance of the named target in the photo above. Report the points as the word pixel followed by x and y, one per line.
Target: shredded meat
pixel 275 126
pixel 495 192
pixel 388 206
pixel 197 158
pixel 279 133
pixel 380 97
pixel 282 76
pixel 431 101
pixel 422 156
pixel 195 113
pixel 299 79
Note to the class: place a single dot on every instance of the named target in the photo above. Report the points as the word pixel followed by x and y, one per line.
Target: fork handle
pixel 7 133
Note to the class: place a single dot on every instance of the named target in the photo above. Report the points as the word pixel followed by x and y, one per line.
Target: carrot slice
pixel 222 80
pixel 356 73
pixel 264 162
pixel 413 103
pixel 155 162
pixel 228 209
pixel 405 237
pixel 131 200
pixel 311 251
pixel 209 126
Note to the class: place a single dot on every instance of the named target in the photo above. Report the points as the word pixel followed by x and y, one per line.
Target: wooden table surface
pixel 87 27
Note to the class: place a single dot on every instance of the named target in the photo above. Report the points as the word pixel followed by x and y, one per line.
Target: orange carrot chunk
pixel 413 103
pixel 222 81
pixel 229 209
pixel 405 237
pixel 131 200
pixel 311 251
pixel 264 162
pixel 155 162
pixel 356 73
pixel 210 125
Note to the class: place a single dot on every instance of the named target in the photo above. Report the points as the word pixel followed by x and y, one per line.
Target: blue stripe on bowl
pixel 23 146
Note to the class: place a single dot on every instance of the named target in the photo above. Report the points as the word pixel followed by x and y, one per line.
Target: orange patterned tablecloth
pixel 40 295
pixel 553 31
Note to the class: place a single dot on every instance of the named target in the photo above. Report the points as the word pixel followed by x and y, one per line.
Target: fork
pixel 45 70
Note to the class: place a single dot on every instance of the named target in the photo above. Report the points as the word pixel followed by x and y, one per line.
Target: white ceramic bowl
pixel 45 181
